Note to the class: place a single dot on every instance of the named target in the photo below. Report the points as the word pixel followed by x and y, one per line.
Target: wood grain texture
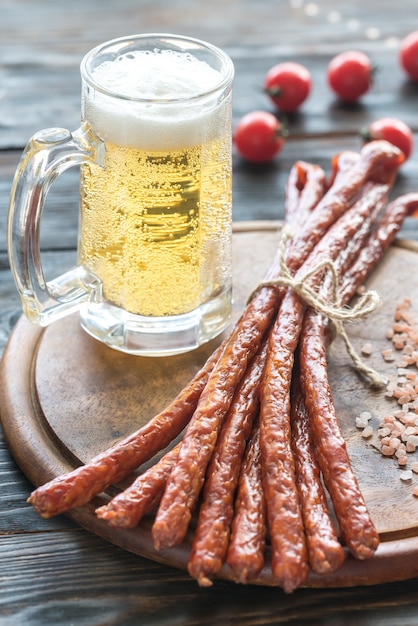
pixel 121 588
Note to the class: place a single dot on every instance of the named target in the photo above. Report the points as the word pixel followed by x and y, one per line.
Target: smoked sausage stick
pixel 324 550
pixel 357 529
pixel 245 554
pixel 127 508
pixel 289 558
pixel 340 197
pixel 305 186
pixel 379 241
pixel 211 537
pixel 82 484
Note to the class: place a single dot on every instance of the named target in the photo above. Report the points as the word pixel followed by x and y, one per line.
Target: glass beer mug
pixel 153 272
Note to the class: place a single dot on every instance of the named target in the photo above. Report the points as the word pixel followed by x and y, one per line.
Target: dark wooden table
pixel 54 572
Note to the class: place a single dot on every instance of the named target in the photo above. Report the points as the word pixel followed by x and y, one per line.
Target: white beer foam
pixel 150 123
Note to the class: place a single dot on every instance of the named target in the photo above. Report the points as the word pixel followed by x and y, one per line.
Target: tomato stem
pixel 273 92
pixel 365 135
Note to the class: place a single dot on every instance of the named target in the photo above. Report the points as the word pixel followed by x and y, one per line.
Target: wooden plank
pixel 74 578
pixel 292 25
pixel 17 516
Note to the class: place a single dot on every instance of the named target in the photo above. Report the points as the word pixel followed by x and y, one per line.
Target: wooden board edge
pixel 17 399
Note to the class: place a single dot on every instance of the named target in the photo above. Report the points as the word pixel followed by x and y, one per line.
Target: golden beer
pixel 155 222
pixel 155 226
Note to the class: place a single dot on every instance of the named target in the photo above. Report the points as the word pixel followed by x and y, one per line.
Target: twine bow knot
pixel 329 306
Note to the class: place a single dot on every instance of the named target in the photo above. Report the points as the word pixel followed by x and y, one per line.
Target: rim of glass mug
pixel 121 45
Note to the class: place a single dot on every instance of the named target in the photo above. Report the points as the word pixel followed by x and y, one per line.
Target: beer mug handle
pixel 47 154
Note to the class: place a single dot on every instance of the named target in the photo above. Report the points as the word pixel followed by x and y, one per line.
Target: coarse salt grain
pixel 405 399
pixel 367 432
pixel 390 419
pixel 361 422
pixel 367 349
pixel 398 429
pixel 410 447
pixel 387 450
pixel 388 355
pixel 406 475
pixel 383 432
pixel 408 419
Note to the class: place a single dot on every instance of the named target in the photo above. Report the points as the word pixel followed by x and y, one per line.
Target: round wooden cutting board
pixel 65 397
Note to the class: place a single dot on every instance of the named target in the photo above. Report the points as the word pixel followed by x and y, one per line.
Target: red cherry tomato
pixel 288 85
pixel 393 130
pixel 408 55
pixel 350 75
pixel 259 136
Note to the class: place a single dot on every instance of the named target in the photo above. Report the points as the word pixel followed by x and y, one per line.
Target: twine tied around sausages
pixel 331 306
